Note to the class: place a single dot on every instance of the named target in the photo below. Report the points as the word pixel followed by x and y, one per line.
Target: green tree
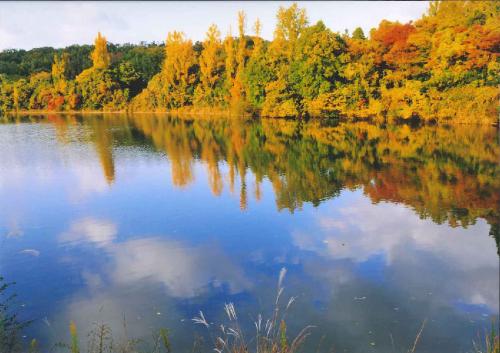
pixel 257 73
pixel 358 34
pixel 280 100
pixel 317 69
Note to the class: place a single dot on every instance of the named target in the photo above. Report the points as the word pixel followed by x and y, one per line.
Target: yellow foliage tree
pixel 291 22
pixel 237 90
pixel 59 72
pixel 179 59
pixel 257 40
pixel 230 62
pixel 210 65
pixel 100 56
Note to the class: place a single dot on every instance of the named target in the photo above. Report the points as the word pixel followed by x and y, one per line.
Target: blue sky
pixel 35 24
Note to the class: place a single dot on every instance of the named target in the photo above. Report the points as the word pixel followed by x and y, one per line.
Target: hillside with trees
pixel 443 67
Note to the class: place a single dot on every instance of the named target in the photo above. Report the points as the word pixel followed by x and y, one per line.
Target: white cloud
pixel 183 270
pixel 90 230
pixel 45 161
pixel 126 285
pixel 467 257
pixel 89 179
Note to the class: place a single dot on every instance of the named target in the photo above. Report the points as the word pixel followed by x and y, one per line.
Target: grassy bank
pixel 270 335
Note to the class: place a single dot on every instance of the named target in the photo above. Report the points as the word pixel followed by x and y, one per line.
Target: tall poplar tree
pixel 100 56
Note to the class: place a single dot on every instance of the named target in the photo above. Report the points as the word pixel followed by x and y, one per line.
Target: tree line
pixel 444 66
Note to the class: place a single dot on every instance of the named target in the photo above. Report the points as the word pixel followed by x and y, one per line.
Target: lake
pixel 153 218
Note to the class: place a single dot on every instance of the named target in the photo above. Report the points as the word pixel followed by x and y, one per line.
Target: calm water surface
pixel 155 218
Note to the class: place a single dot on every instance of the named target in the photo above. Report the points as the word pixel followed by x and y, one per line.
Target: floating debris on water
pixel 46 321
pixel 15 233
pixel 31 252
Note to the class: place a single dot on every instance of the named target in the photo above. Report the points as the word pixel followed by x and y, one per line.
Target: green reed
pixel 490 342
pixel 10 325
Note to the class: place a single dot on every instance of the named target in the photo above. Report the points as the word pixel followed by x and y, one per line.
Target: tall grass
pixel 100 339
pixel 417 338
pixel 10 325
pixel 490 343
pixel 270 334
pixel 74 338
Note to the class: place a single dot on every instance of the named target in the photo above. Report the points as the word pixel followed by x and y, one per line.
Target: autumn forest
pixel 443 67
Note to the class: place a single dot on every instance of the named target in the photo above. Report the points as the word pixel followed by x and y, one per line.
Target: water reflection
pixel 407 245
pixel 98 232
pixel 157 217
pixel 448 174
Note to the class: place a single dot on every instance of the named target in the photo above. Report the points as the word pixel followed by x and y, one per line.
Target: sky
pixel 26 25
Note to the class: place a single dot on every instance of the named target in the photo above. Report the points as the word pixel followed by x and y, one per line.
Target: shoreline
pixel 227 114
